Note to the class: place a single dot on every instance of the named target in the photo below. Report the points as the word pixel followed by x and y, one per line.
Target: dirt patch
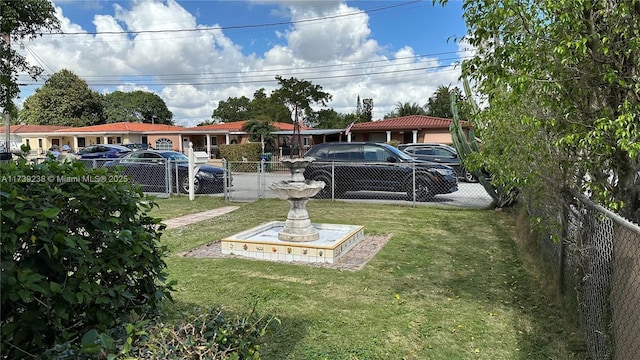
pixel 354 260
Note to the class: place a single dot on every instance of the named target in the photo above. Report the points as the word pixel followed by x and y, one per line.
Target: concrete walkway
pixel 193 218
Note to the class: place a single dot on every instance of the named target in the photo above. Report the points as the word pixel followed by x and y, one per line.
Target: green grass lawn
pixel 449 284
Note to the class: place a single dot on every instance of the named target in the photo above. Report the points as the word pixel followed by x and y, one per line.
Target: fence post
pixel 191 172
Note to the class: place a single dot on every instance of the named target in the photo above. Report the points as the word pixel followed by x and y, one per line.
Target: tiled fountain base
pixel 262 243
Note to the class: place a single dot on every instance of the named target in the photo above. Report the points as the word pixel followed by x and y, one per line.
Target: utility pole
pixel 7 117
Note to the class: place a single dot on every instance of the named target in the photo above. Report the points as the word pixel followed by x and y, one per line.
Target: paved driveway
pixel 250 186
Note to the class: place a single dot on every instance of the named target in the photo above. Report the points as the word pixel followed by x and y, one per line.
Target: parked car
pixel 365 166
pixel 149 168
pixel 103 151
pixel 136 147
pixel 441 154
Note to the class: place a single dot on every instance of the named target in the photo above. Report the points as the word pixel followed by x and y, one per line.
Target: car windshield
pixel 400 154
pixel 175 156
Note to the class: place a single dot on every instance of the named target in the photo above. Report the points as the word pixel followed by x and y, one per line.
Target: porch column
pixel 180 142
pixel 227 139
pixel 388 135
pixel 208 143
pixel 349 137
pixel 415 136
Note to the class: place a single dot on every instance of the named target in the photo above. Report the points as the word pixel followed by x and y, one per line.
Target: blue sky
pixel 196 53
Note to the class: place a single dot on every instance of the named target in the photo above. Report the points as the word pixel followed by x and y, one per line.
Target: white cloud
pixel 194 70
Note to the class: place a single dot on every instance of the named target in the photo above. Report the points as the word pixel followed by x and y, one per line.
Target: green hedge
pixel 243 157
pixel 79 252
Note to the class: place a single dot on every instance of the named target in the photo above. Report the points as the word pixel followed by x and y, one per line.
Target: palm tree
pixel 407 109
pixel 260 130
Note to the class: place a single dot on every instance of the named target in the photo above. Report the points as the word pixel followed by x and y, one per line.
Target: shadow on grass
pixel 493 275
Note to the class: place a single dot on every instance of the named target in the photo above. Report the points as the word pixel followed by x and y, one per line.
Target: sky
pixel 194 54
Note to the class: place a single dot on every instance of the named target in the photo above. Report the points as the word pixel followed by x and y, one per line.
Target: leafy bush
pixel 248 154
pixel 79 251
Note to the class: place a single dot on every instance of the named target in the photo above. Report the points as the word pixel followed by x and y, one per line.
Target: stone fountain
pixel 297 238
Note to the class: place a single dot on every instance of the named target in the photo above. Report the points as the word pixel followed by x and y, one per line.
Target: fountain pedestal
pixel 297 191
pixel 297 238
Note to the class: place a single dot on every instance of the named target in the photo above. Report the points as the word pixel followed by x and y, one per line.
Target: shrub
pixel 79 251
pixel 199 334
pixel 243 156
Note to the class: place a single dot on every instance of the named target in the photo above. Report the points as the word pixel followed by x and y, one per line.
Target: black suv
pixel 365 166
pixel 438 153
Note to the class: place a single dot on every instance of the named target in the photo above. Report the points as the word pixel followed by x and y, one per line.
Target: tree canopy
pixel 136 106
pixel 298 96
pixel 570 70
pixel 64 99
pixel 243 108
pixel 439 105
pixel 406 109
pixel 21 19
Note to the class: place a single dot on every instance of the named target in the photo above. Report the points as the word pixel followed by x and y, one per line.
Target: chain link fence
pixel 162 178
pixel 599 262
pixel 370 181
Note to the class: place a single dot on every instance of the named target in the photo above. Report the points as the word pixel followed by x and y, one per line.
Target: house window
pixel 164 144
pixel 378 137
pixel 40 143
pixel 81 142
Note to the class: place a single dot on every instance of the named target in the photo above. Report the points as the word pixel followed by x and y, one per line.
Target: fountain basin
pixel 262 243
pixel 297 190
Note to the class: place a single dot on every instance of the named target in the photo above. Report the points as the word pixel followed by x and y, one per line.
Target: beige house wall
pixel 437 137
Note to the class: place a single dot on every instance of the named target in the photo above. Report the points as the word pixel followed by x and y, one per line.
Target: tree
pixel 268 107
pixel 64 99
pixel 406 109
pixel 577 63
pixel 367 110
pixel 439 105
pixel 331 119
pixel 242 108
pixel 136 106
pixel 298 96
pixel 21 19
pixel 234 109
pixel 260 130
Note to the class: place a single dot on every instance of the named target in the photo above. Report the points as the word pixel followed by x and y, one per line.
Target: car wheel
pixel 325 193
pixel 469 177
pixel 184 185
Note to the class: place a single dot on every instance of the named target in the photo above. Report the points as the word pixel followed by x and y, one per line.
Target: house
pixel 208 137
pixel 158 136
pixel 406 129
pixel 38 137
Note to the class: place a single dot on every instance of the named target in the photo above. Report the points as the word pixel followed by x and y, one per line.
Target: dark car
pixel 365 166
pixel 159 170
pixel 441 154
pixel 103 151
pixel 136 147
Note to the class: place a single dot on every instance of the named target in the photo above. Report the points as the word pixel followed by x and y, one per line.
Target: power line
pixel 269 80
pixel 297 72
pixel 232 27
